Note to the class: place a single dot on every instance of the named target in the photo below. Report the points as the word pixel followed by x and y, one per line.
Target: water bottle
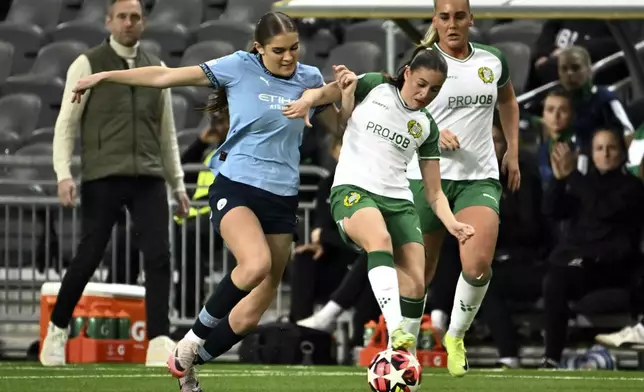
pixel 123 321
pixel 78 323
pixel 109 327
pixel 94 324
pixel 426 341
pixel 369 330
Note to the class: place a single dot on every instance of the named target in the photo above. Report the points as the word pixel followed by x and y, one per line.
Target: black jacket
pixel 522 233
pixel 593 35
pixel 330 236
pixel 606 216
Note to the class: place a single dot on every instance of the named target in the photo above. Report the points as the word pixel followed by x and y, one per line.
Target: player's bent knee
pixel 252 269
pixel 377 240
pixel 253 273
pixel 480 271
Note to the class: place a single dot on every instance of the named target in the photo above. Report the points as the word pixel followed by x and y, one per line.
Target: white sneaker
pixel 312 322
pixel 159 349
pixel 189 382
pixel 54 347
pixel 630 337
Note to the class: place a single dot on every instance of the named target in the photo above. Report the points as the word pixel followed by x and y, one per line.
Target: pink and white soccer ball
pixel 394 371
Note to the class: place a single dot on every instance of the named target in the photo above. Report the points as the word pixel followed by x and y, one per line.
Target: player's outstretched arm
pixel 430 170
pixel 153 76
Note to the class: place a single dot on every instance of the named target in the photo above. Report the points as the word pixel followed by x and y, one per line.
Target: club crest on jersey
pixel 351 199
pixel 414 128
pixel 486 75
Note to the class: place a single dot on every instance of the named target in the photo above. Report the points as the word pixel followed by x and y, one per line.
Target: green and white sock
pixel 467 301
pixel 384 284
pixel 412 310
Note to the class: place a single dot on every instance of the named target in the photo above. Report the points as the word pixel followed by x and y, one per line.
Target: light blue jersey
pixel 262 146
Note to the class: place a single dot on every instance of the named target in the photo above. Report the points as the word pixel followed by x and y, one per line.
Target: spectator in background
pixel 554 126
pixel 558 35
pixel 320 265
pixel 602 245
pixel 522 244
pixel 128 146
pixel 593 106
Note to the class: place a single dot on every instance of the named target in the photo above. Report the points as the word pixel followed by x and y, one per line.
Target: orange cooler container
pixel 108 324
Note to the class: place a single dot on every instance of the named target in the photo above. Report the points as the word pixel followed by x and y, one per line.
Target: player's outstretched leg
pixel 367 228
pixel 247 313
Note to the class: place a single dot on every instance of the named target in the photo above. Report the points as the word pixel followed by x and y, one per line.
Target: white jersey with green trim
pixel 381 137
pixel 465 106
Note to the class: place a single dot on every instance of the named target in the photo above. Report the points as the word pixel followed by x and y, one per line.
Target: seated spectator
pixel 320 265
pixel 555 125
pixel 558 35
pixel 594 106
pixel 521 246
pixel 602 246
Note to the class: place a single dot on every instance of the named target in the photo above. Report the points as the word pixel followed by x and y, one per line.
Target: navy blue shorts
pixel 277 214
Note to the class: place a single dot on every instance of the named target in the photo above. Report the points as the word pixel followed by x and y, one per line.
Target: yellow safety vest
pixel 204 180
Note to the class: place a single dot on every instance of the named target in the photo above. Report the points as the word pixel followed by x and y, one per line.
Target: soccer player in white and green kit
pixel 477 81
pixel 370 197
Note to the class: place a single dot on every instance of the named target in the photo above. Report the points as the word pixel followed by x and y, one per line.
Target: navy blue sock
pixel 221 339
pixel 220 302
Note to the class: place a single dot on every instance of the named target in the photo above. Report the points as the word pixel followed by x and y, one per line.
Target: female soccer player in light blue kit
pixel 254 198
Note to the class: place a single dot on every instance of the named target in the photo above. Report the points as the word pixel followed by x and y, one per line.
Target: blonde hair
pixel 431 37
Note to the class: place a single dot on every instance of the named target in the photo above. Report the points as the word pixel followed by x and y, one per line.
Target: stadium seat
pixel 19 113
pixel 240 35
pixel 70 10
pixel 518 57
pixel 89 33
pixel 171 23
pixel 246 10
pixel 36 150
pixel 151 46
pixel 194 55
pixel 25 27
pixel 524 31
pixel 373 31
pixel 6 60
pixel 322 43
pixel 477 35
pixel 40 173
pixel 212 9
pixel 92 11
pixel 9 141
pixel 41 135
pixel 360 57
pixel 205 51
pixel 47 77
pixel 179 110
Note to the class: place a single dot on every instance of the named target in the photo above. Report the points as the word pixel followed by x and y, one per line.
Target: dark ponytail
pixel 422 57
pixel 217 103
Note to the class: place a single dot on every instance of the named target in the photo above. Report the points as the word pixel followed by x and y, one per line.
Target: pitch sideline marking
pixel 268 373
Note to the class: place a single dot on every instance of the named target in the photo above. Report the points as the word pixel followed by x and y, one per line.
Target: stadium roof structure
pixel 497 9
